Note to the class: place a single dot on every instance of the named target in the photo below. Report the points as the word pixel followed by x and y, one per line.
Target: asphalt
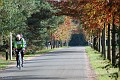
pixel 63 64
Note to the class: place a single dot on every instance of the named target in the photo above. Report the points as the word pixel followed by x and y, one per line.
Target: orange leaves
pixel 67 21
pixel 108 18
pixel 98 12
pixel 92 13
pixel 63 32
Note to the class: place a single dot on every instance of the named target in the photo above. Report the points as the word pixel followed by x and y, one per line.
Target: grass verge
pixel 102 68
pixel 4 63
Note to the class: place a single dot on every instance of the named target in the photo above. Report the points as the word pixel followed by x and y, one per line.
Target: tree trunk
pixel 109 43
pixel 104 42
pixel 57 44
pixel 54 43
pixel 92 41
pixel 67 43
pixel 113 44
pixel 51 40
pixel 95 43
pixel 119 44
pixel 99 41
pixel 99 44
pixel 51 44
pixel 61 43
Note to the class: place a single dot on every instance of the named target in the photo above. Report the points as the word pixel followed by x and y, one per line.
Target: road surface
pixel 63 64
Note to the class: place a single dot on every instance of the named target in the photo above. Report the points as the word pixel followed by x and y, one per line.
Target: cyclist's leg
pixel 22 55
pixel 17 57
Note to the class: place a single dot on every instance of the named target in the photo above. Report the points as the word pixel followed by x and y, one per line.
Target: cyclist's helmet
pixel 18 36
pixel 21 35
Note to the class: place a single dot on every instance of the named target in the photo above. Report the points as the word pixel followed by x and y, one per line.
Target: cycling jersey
pixel 19 44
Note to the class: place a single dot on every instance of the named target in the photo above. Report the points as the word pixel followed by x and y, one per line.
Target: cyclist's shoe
pixel 17 66
pixel 22 65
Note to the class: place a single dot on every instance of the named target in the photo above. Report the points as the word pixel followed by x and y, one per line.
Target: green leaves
pixel 29 17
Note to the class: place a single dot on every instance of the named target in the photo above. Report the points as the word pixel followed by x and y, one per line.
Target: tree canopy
pixel 29 18
pixel 92 13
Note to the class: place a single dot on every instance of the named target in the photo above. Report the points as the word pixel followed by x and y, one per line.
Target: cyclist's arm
pixel 22 44
pixel 15 44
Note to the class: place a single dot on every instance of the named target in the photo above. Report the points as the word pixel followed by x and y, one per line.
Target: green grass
pixel 103 68
pixel 4 63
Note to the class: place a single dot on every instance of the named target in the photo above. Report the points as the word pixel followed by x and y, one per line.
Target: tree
pixel 39 21
pixel 94 15
pixel 16 13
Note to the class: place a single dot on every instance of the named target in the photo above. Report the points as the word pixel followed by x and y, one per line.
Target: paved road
pixel 64 64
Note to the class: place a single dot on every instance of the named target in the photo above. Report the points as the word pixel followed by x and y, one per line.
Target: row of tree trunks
pixel 104 44
pixel 57 43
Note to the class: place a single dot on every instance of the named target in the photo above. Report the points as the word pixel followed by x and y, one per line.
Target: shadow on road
pixel 28 77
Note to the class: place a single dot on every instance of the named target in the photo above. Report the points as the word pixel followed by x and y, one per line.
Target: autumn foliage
pixel 92 13
pixel 64 30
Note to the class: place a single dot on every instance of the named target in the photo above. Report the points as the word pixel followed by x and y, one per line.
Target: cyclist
pixel 24 46
pixel 19 46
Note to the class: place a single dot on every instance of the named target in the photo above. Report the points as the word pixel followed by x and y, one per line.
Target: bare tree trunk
pixel 67 43
pixel 56 43
pixel 95 43
pixel 61 43
pixel 113 44
pixel 99 41
pixel 104 42
pixel 109 43
pixel 100 44
pixel 51 40
pixel 119 48
pixel 92 41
